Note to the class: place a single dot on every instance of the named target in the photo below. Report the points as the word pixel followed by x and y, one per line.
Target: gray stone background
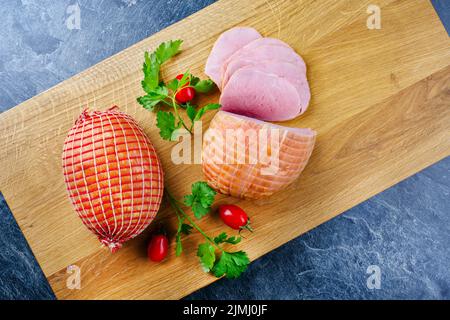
pixel 405 230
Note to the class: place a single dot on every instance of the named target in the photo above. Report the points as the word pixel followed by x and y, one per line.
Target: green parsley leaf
pixel 173 84
pixel 207 255
pixel 165 121
pixel 167 50
pixel 209 106
pixel 186 229
pixel 151 72
pixel 220 238
pixel 231 264
pixel 191 111
pixel 199 210
pixel 201 199
pixel 189 200
pixel 203 86
pixel 146 86
pixel 148 102
pixel 153 97
pixel 160 92
pixel 194 80
pixel 223 238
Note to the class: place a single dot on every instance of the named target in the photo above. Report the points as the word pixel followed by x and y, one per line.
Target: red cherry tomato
pixel 234 217
pixel 158 247
pixel 185 94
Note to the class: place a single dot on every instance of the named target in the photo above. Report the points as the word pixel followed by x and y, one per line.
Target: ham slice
pixel 259 77
pixel 260 95
pixel 252 45
pixel 226 45
pixel 285 70
pixel 233 167
pixel 262 42
pixel 262 53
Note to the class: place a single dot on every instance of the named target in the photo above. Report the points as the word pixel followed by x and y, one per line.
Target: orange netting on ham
pixel 113 175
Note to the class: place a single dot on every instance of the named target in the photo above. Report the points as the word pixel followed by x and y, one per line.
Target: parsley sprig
pixel 228 264
pixel 158 93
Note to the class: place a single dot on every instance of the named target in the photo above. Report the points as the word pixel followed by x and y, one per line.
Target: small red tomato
pixel 158 247
pixel 185 94
pixel 234 217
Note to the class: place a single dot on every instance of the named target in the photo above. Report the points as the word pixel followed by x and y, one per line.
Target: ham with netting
pixel 113 175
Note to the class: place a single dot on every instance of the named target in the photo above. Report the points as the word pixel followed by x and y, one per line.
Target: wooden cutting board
pixel 380 104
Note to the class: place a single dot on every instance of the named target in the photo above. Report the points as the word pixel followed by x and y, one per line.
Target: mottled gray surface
pixel 20 275
pixel 37 50
pixel 404 230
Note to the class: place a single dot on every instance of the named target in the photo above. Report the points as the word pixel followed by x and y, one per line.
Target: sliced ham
pixel 226 45
pixel 254 44
pixel 233 167
pixel 260 95
pixel 265 41
pixel 259 77
pixel 262 53
pixel 285 70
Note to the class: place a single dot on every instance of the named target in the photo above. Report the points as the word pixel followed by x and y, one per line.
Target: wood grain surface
pixel 380 104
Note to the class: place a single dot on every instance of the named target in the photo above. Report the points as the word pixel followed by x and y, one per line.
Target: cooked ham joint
pixel 113 175
pixel 248 158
